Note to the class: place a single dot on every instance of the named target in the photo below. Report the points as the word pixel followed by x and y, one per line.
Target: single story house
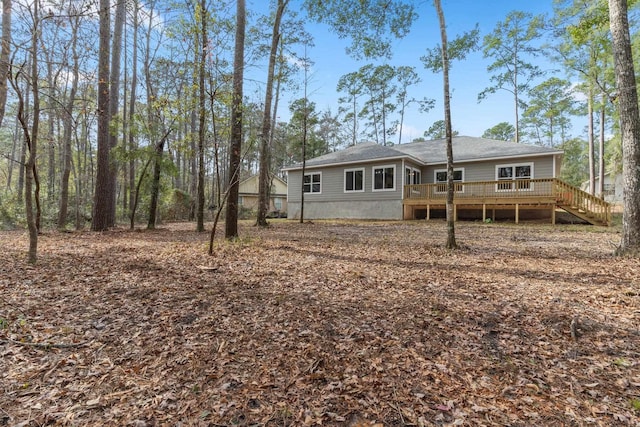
pixel 249 194
pixel 408 181
pixel 612 187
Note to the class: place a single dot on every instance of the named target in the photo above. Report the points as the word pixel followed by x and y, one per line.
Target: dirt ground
pixel 324 323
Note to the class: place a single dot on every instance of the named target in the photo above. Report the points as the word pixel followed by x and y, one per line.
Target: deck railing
pixel 563 194
pixel 573 198
pixel 507 189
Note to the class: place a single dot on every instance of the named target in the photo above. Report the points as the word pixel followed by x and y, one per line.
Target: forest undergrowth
pixel 322 323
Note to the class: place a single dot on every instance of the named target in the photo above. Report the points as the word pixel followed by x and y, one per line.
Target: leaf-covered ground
pixel 325 323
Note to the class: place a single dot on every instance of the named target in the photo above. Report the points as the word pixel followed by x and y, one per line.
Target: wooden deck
pixel 540 194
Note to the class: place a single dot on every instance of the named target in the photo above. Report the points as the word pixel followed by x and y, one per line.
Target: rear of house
pixel 371 190
pixel 369 181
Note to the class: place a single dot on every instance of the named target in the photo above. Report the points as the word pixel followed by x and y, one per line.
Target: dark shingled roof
pixel 465 148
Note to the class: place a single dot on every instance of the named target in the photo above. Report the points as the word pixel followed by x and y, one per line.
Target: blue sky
pixel 467 78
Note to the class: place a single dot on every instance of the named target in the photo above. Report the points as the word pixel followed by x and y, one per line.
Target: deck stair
pixel 581 204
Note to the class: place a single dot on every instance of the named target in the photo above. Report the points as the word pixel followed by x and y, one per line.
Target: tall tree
pixel 5 52
pixel 582 43
pixel 451 235
pixel 407 76
pixel 231 218
pixel 503 131
pixel 438 130
pixel 509 45
pixel 352 85
pixel 264 179
pixel 379 82
pixel 114 100
pixel 629 125
pixel 305 127
pixel 202 112
pixel 437 60
pixel 103 195
pixel 370 24
pixel 548 114
pixel 574 170
pixel 132 106
pixel 32 185
pixel 68 125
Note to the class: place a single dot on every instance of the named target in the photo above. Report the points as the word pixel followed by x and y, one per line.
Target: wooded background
pixel 153 80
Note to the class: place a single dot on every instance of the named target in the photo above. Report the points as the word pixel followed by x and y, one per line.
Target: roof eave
pixel 488 159
pixel 357 162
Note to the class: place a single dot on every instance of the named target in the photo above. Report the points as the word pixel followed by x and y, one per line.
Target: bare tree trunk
pixel 193 163
pixel 304 135
pixel 451 236
pixel 134 206
pixel 231 221
pixel 12 160
pixel 516 107
pixel 629 125
pixel 29 178
pixel 5 53
pixel 103 196
pixel 32 185
pixel 51 146
pixel 126 190
pixel 132 104
pixel 23 145
pixel 114 101
pixel 592 164
pixel 601 171
pixel 35 130
pixel 202 116
pixel 216 184
pixel 68 128
pixel 155 184
pixel 265 149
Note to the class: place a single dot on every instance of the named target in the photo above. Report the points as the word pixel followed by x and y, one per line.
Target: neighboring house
pixel 249 194
pixel 612 187
pixel 408 181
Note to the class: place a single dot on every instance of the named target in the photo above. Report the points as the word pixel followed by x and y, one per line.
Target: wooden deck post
pixel 428 212
pixel 517 213
pixel 484 212
pixel 553 215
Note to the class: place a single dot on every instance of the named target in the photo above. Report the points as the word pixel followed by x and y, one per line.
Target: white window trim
pixel 344 181
pixel 311 183
pixel 277 201
pixel 514 166
pixel 413 170
pixel 435 180
pixel 373 177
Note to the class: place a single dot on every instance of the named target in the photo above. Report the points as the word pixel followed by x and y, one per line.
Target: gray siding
pixel 334 202
pixel 486 171
pixel 332 189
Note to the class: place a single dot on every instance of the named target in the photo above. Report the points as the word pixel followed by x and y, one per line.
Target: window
pixel 609 190
pixel 353 180
pixel 277 203
pixel 412 176
pixel 383 178
pixel 514 177
pixel 441 180
pixel 312 183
